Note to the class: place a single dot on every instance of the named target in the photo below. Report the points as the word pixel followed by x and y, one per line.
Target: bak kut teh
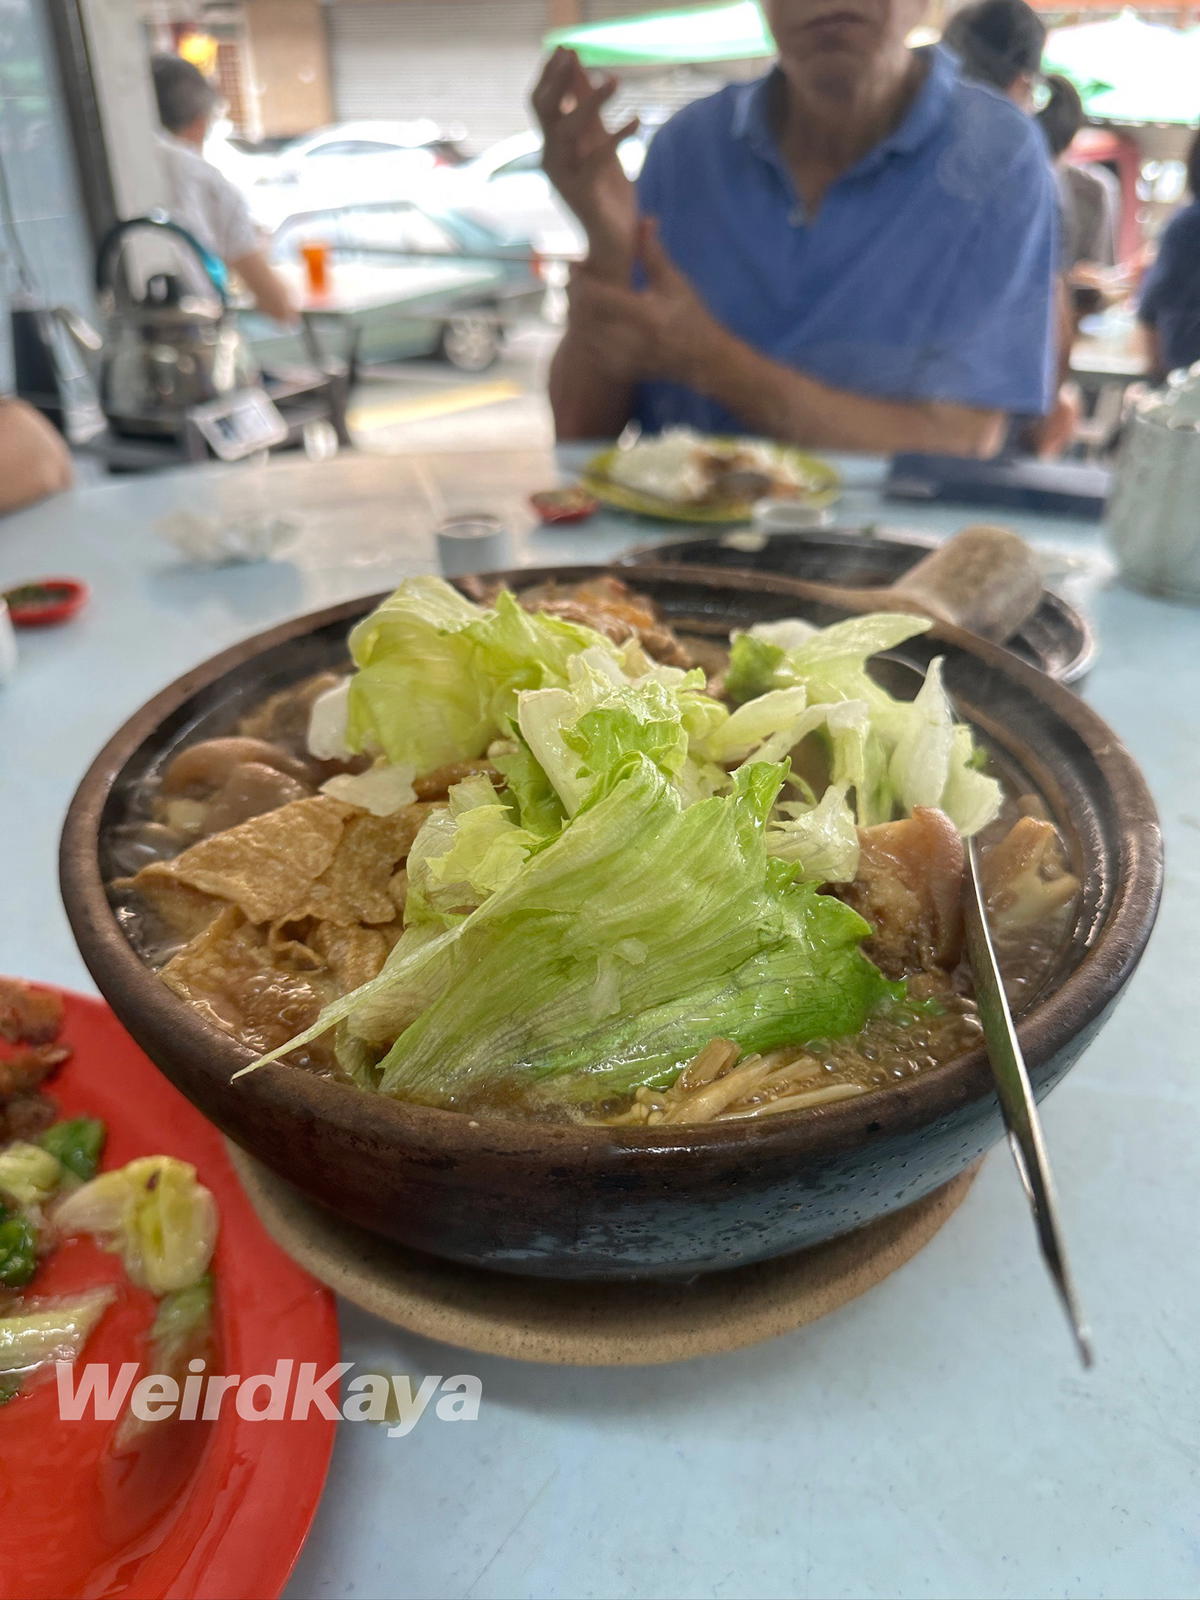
pixel 539 856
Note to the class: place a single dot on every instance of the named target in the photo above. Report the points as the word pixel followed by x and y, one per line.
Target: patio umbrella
pixel 1128 70
pixel 734 31
pixel 1173 99
pixel 1111 51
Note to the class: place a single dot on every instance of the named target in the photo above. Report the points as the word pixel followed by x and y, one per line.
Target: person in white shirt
pixel 203 200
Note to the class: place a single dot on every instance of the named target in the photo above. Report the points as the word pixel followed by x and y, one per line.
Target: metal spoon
pixel 1016 1100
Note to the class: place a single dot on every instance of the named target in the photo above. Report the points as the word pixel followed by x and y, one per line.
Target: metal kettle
pixel 170 344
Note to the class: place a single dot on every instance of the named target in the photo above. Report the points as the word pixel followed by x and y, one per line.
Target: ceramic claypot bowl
pixel 573 1202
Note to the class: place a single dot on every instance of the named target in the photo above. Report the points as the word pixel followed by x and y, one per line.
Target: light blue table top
pixel 933 1438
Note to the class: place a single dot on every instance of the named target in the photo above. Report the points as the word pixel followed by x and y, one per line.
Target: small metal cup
pixel 789 516
pixel 474 542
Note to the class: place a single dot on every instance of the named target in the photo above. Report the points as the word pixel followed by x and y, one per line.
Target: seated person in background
pixel 1087 194
pixel 203 200
pixel 855 252
pixel 34 460
pixel 1170 306
pixel 999 43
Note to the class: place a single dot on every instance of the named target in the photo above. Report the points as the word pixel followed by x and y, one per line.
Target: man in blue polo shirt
pixel 855 252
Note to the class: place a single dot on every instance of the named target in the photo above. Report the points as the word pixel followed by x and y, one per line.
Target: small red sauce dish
pixel 564 505
pixel 45 601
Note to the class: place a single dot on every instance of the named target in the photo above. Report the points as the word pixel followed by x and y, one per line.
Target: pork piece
pixel 909 888
pixel 733 476
pixel 207 766
pixel 1025 880
pixel 251 789
pixel 28 1015
pixel 25 1068
pixel 283 718
pixel 608 606
pixel 613 609
pixel 437 784
pixel 26 1116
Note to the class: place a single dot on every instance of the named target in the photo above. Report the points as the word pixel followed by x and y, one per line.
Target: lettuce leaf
pixel 529 790
pixel 688 930
pixel 464 853
pixel 820 840
pixel 762 729
pixel 579 735
pixel 892 754
pixel 154 1214
pixel 438 676
pixel 40 1331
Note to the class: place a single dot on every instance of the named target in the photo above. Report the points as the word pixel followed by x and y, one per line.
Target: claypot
pixel 575 1202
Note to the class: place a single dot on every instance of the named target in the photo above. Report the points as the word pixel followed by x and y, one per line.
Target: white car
pixel 350 163
pixel 507 188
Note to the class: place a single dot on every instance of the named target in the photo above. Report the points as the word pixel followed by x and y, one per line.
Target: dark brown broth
pixel 895 1044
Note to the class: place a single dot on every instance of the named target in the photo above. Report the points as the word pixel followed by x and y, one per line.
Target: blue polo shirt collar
pixel 752 111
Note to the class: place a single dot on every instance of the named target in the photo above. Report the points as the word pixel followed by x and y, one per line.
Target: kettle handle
pixel 214 269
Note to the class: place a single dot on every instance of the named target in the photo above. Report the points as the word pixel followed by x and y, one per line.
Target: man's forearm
pixel 272 295
pixel 586 402
pixel 610 259
pixel 782 403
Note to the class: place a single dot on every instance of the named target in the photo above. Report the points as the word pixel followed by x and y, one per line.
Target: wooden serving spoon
pixel 985 579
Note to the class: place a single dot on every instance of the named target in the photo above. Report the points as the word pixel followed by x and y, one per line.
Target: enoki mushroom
pixel 717 1086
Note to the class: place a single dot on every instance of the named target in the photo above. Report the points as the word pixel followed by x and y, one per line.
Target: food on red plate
pixel 33 1016
pixel 101 1494
pixel 152 1213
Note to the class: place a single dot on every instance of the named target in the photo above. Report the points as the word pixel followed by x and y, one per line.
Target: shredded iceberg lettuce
pixel 643 876
pixel 438 676
pixel 464 853
pixel 893 754
pixel 647 927
pixel 821 839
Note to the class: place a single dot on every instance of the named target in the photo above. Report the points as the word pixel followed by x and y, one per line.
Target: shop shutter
pixel 468 64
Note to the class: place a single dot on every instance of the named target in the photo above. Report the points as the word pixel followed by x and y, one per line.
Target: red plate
pixel 222 1508
pixel 45 600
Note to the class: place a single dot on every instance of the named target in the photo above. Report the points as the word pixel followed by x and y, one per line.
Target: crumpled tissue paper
pixel 212 540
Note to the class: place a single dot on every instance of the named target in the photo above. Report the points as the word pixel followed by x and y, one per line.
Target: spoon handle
pixel 1017 1102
